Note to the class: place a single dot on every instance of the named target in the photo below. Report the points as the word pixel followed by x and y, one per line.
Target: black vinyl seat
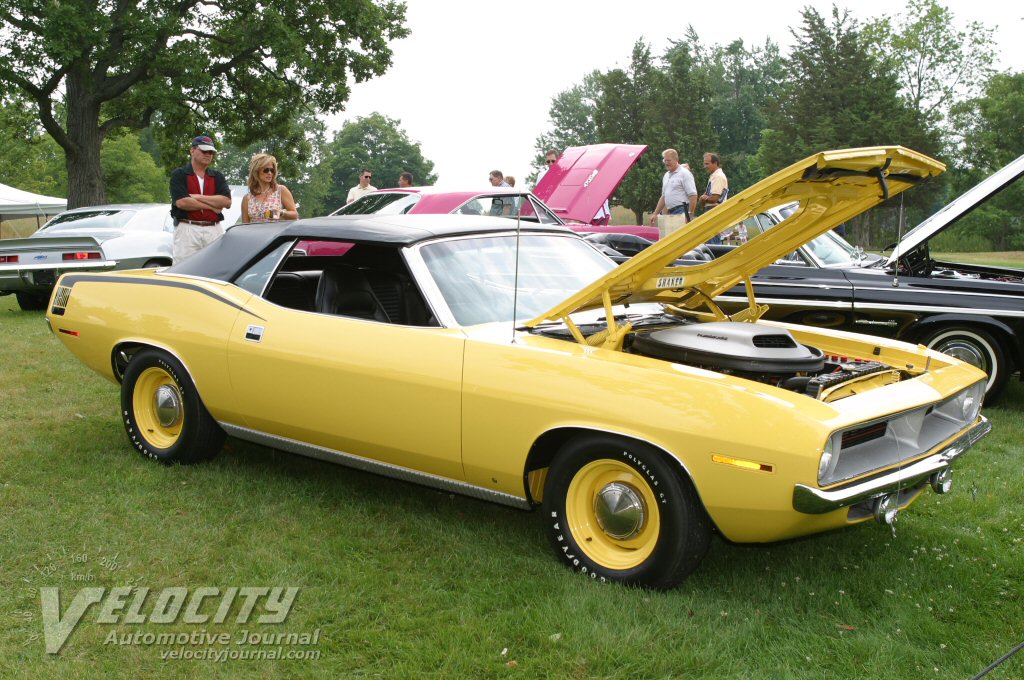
pixel 345 291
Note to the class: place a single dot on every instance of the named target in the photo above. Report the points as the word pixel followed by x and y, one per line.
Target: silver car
pixel 95 238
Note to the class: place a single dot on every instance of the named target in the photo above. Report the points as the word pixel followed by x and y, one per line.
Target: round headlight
pixel 826 461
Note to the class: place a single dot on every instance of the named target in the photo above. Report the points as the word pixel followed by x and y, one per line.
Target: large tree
pixel 841 94
pixel 572 120
pixel 742 84
pixel 37 162
pixel 992 128
pixel 241 67
pixel 939 60
pixel 376 142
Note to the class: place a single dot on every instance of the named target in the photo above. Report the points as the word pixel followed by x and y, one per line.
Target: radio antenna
pixel 899 239
pixel 515 277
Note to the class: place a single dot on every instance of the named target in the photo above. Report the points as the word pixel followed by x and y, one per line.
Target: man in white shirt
pixel 364 187
pixel 678 190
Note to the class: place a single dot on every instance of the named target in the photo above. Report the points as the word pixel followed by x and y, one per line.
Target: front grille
pixel 863 434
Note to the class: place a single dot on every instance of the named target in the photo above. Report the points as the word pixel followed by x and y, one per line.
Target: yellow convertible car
pixel 511 361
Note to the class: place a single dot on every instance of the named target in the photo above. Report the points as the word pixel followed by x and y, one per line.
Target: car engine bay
pixel 759 352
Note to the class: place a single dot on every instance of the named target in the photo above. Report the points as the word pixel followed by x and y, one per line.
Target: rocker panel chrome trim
pixel 376 467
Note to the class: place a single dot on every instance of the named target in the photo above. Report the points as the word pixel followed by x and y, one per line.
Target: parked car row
pixel 509 360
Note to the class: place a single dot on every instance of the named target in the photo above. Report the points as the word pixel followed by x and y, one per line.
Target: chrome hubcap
pixel 620 510
pixel 964 352
pixel 167 405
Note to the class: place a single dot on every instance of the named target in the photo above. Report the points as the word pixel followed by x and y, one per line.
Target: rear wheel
pixel 977 348
pixel 154 264
pixel 31 302
pixel 618 511
pixel 163 415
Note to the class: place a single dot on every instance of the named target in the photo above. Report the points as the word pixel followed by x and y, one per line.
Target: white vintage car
pixel 94 238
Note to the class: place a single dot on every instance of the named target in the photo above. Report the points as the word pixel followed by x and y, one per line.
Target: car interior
pixel 365 282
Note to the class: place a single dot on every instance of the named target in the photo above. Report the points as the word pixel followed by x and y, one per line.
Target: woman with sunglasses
pixel 267 200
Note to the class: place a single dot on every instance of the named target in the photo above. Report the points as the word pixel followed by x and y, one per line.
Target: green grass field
pixel 407 582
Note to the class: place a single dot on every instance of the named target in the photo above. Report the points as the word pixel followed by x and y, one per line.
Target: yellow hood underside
pixel 832 187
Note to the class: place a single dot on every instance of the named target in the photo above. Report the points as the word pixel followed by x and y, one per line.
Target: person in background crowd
pixel 199 196
pixel 510 180
pixel 267 200
pixel 550 158
pixel 364 187
pixel 497 179
pixel 678 190
pixel 405 180
pixel 718 184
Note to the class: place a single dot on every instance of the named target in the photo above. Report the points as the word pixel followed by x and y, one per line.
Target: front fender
pixel 1010 339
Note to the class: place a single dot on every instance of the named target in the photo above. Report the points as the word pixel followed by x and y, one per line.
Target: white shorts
pixel 189 239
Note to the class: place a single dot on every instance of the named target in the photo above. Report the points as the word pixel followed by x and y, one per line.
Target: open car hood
pixel 832 187
pixel 959 207
pixel 585 177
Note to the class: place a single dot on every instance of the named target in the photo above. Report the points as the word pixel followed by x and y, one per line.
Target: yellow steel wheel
pixel 613 514
pixel 163 415
pixel 620 510
pixel 157 406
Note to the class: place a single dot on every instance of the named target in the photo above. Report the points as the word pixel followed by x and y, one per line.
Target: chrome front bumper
pixel 814 501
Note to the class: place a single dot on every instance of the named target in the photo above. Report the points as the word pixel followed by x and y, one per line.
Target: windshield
pixel 830 249
pixel 478 280
pixel 380 203
pixel 509 205
pixel 92 219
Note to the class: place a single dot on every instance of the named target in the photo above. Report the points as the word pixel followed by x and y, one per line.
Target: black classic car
pixel 973 312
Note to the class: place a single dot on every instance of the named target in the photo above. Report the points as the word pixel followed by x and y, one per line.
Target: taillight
pixel 8 259
pixel 90 255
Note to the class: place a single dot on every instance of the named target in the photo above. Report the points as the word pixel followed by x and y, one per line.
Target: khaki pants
pixel 189 239
pixel 669 223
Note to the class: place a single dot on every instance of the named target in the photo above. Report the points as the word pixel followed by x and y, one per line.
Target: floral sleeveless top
pixel 263 209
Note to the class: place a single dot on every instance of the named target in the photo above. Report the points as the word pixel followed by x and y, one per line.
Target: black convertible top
pixel 244 243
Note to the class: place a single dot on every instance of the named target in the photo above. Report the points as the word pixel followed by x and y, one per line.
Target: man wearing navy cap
pixel 199 196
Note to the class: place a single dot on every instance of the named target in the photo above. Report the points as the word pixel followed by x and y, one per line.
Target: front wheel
pixel 618 511
pixel 163 415
pixel 978 348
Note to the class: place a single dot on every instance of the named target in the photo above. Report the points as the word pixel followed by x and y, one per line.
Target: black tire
pixel 154 264
pixel 978 348
pixel 607 541
pixel 31 302
pixel 181 430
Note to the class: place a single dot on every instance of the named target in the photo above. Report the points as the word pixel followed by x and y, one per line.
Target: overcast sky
pixel 474 81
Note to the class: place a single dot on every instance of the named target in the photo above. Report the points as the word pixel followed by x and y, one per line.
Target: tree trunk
pixel 85 176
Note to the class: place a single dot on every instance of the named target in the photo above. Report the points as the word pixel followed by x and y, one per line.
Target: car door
pixel 386 392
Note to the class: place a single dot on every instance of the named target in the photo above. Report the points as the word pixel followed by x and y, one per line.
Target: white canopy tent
pixel 16 204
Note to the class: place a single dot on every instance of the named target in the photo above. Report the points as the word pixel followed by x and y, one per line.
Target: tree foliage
pixel 376 142
pixel 992 126
pixel 130 174
pixel 937 62
pixel 186 66
pixel 572 121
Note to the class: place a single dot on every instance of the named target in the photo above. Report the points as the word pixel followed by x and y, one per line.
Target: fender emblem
pixel 254 333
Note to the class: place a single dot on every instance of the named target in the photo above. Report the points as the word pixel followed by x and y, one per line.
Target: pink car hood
pixel 585 177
